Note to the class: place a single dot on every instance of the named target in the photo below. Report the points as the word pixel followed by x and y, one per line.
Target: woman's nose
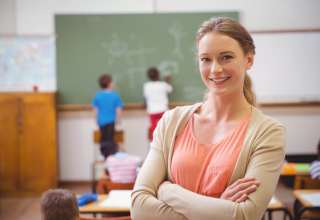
pixel 216 67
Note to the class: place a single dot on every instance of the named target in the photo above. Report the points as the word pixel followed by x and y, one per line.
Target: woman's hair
pixel 105 80
pixel 59 204
pixel 153 74
pixel 236 31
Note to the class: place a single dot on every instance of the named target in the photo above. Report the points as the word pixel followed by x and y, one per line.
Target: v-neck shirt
pixel 206 168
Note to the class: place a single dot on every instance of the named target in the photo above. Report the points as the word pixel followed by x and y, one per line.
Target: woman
pixel 219 159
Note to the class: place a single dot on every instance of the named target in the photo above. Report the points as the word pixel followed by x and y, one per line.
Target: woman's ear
pixel 250 60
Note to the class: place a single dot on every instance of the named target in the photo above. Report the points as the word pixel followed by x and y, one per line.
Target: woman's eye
pixel 204 59
pixel 227 57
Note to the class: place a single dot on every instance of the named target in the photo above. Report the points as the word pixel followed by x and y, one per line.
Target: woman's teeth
pixel 219 80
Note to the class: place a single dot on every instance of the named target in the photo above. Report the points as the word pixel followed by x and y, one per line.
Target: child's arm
pixel 119 115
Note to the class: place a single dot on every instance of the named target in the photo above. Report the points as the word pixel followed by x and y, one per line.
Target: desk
pixel 304 207
pixel 276 205
pixel 94 208
pixel 298 170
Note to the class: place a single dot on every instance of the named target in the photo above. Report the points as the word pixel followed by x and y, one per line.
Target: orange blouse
pixel 206 168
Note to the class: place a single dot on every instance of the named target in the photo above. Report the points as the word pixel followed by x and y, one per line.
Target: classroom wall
pixel 76 148
pixel 7 17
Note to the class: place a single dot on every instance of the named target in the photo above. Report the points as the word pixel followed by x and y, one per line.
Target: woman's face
pixel 222 63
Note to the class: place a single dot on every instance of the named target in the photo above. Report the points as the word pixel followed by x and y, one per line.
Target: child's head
pixel 59 204
pixel 105 81
pixel 319 150
pixel 153 74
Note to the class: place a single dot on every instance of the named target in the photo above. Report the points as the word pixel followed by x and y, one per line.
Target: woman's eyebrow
pixel 226 52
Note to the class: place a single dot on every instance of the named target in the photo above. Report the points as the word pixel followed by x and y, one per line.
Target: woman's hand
pixel 240 189
pixel 163 188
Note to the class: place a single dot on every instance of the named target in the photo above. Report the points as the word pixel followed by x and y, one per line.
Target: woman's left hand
pixel 163 188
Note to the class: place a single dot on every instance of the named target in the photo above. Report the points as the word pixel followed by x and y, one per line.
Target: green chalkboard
pixel 125 45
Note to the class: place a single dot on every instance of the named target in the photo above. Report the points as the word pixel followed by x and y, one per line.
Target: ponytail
pixel 247 90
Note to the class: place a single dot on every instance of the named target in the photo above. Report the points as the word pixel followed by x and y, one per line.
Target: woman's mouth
pixel 219 80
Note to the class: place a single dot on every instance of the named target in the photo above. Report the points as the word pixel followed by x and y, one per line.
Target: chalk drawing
pixel 177 33
pixel 169 66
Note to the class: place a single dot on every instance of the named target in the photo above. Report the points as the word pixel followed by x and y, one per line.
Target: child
pixel 156 93
pixel 315 166
pixel 59 204
pixel 122 167
pixel 108 106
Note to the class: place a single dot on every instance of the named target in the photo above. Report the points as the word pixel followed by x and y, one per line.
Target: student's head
pixel 153 74
pixel 59 204
pixel 105 81
pixel 319 150
pixel 225 52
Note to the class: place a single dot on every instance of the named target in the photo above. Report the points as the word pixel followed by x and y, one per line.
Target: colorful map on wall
pixel 27 63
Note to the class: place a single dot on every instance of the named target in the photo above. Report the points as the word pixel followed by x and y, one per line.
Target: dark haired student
pixel 155 93
pixel 108 106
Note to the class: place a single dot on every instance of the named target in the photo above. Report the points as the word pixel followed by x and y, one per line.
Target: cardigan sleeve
pixel 264 165
pixel 145 205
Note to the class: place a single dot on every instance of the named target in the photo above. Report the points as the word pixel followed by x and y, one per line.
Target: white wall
pixel 7 17
pixel 76 147
pixel 37 16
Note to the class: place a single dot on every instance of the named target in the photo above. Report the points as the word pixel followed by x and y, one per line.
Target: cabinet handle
pixel 19 116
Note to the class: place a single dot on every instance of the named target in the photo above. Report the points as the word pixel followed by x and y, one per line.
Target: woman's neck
pixel 225 108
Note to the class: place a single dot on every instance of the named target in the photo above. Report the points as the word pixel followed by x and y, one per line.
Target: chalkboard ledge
pixel 140 106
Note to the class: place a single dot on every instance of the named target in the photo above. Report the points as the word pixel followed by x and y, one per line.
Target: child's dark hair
pixel 153 74
pixel 319 150
pixel 59 204
pixel 105 80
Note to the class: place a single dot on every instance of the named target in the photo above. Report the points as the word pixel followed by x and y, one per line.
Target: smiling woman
pixel 218 159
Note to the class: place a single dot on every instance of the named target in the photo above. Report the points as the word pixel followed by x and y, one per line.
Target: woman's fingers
pixel 240 189
pixel 246 191
pixel 243 186
pixel 240 181
pixel 243 198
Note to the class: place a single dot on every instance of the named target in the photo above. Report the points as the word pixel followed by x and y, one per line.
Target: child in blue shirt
pixel 108 106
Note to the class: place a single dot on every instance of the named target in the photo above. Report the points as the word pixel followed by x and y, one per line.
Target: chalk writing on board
pixel 120 49
pixel 169 66
pixel 177 33
pixel 131 76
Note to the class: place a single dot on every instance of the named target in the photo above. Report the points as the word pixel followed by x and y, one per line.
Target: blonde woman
pixel 218 159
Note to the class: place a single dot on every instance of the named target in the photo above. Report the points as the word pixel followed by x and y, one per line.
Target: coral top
pixel 206 168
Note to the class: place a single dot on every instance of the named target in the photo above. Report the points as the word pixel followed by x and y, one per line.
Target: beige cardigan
pixel 261 157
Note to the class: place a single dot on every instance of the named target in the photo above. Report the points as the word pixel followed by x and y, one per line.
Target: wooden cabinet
pixel 28 146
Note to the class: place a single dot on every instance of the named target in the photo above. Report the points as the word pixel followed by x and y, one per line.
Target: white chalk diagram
pixel 168 67
pixel 131 58
pixel 176 31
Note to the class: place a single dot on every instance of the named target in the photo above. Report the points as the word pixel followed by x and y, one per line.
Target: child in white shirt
pixel 155 93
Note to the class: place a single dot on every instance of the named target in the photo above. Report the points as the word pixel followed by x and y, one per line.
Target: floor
pixel 29 208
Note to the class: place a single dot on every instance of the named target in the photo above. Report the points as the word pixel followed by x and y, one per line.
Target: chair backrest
pixel 108 218
pixel 306 182
pixel 114 186
pixel 105 185
pixel 118 136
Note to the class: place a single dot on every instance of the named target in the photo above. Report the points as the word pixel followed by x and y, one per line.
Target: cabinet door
pixel 38 160
pixel 9 142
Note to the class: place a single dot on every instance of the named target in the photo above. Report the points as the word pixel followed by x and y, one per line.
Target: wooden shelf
pixel 139 106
